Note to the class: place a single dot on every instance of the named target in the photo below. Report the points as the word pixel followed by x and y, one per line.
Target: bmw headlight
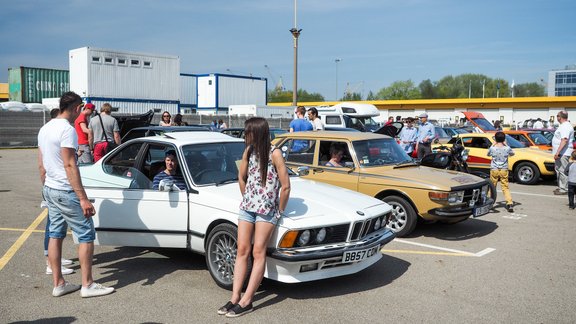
pixel 304 238
pixel 377 223
pixel 320 235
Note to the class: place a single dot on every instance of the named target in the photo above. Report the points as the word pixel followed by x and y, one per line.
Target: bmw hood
pixel 321 204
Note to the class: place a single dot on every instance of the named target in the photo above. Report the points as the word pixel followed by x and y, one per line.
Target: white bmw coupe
pixel 326 232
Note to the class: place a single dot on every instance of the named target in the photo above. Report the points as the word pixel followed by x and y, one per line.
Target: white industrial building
pixel 131 82
pixel 216 92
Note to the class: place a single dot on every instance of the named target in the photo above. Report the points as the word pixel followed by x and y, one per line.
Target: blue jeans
pixel 64 210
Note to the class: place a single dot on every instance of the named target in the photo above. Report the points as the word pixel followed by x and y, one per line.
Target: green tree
pixel 371 96
pixel 531 89
pixel 352 96
pixel 428 89
pixel 399 90
pixel 279 95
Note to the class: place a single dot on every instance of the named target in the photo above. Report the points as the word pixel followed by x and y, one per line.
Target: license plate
pixel 355 256
pixel 482 210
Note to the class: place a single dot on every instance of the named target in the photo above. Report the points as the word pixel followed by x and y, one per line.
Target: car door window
pixel 328 149
pixel 154 161
pixel 333 120
pixel 123 164
pixel 300 151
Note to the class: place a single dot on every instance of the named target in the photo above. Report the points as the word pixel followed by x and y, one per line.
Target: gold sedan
pixel 376 165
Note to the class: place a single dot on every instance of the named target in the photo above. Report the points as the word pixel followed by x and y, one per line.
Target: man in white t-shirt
pixel 562 149
pixel 68 204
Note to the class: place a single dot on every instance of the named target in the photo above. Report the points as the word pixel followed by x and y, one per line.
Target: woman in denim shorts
pixel 265 188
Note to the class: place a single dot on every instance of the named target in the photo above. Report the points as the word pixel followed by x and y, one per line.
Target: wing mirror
pixel 167 185
pixel 303 171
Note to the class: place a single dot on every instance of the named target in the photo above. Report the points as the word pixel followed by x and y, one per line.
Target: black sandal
pixel 224 309
pixel 238 310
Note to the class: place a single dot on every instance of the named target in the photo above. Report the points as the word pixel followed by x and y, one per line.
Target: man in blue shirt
pixel 300 125
pixel 171 172
pixel 408 136
pixel 426 134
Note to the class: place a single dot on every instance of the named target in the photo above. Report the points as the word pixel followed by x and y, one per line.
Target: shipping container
pixel 218 91
pixel 29 84
pixel 131 82
pixel 188 94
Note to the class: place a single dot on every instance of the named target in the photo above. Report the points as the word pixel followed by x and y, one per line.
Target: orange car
pixel 531 139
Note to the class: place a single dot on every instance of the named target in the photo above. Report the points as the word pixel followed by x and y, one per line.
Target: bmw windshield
pixel 378 152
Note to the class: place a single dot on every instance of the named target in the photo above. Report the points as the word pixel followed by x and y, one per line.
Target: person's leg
pixel 561 165
pixel 262 233
pixel 494 178
pixel 54 254
pixel 503 177
pixel 85 255
pixel 47 237
pixel 244 241
pixel 571 188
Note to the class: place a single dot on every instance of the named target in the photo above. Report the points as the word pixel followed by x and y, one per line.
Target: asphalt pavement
pixel 500 268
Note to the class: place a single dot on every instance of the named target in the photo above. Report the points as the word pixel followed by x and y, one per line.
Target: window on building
pixel 108 60
pixel 134 62
pixel 122 61
pixel 147 64
pixel 96 59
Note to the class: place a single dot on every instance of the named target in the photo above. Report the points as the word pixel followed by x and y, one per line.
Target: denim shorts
pixel 253 217
pixel 64 210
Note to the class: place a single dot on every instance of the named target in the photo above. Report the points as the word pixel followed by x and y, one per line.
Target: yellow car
pixel 376 165
pixel 527 165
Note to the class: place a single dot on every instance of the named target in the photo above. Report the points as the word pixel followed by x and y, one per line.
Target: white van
pixel 350 115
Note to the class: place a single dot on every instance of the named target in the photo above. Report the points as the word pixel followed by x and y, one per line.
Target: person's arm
pixel 91 139
pixel 117 138
pixel 278 162
pixel 73 175
pixel 243 172
pixel 84 127
pixel 41 167
pixel 563 143
pixel 432 133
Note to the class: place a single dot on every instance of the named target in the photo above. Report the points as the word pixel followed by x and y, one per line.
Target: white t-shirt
pixel 317 124
pixel 565 130
pixel 53 136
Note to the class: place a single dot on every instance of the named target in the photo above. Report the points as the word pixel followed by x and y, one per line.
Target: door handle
pixel 318 170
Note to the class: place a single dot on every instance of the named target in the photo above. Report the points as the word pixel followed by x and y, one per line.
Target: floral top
pixel 258 199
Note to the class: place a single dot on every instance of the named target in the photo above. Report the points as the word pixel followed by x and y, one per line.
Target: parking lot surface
pixel 500 268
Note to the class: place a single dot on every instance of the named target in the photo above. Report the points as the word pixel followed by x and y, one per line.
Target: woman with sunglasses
pixel 166 119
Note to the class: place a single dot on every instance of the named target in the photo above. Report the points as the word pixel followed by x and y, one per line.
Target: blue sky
pixel 378 41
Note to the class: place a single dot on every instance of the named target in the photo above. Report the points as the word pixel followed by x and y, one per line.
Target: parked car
pixel 160 130
pixel 455 131
pixel 441 135
pixel 526 165
pixel 376 165
pixel 326 231
pixel 239 132
pixel 531 139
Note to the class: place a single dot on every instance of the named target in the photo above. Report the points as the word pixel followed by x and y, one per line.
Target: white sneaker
pixel 95 289
pixel 65 271
pixel 66 261
pixel 64 289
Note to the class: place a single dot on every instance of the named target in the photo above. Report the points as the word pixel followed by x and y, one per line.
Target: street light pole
pixel 336 61
pixel 295 34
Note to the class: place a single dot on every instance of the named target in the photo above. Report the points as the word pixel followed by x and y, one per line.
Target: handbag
pixel 110 145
